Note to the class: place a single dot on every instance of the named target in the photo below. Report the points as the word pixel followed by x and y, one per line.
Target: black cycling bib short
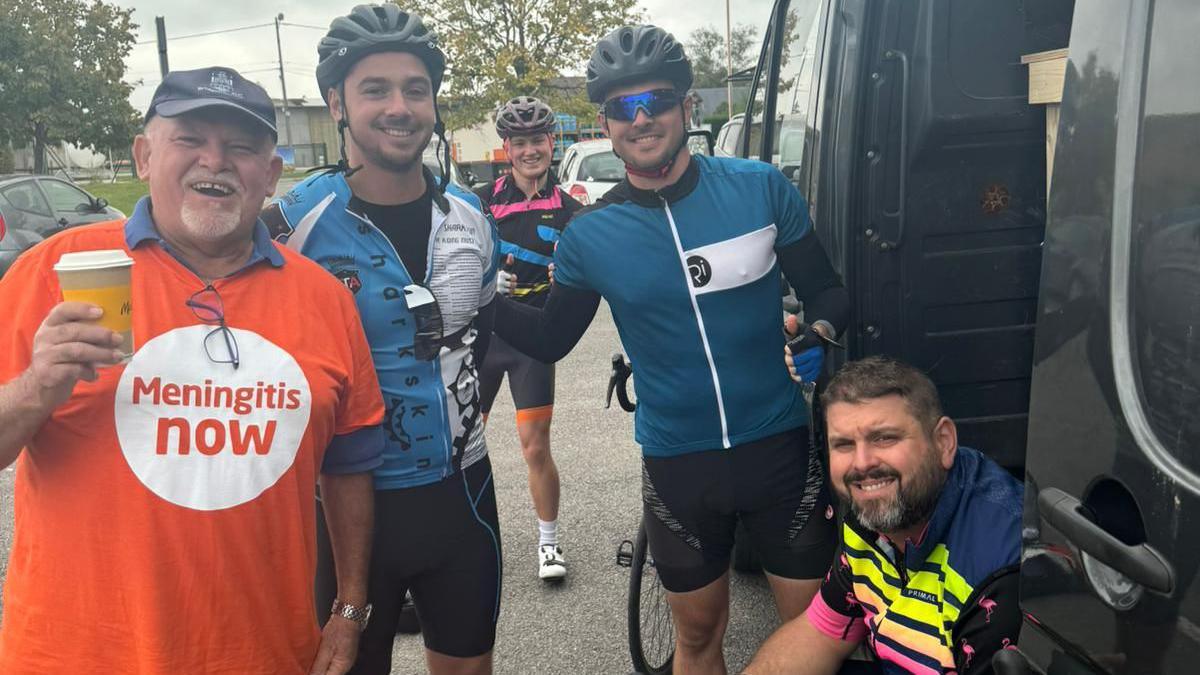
pixel 441 542
pixel 776 486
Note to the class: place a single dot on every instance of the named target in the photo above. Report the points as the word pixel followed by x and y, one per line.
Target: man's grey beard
pixel 209 224
pixel 914 501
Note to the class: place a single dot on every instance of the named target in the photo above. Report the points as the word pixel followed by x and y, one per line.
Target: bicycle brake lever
pixel 613 379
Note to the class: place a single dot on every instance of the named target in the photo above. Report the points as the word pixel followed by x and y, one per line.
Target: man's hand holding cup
pixel 69 347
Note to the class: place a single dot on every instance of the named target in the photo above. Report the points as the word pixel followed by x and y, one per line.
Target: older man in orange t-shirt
pixel 164 505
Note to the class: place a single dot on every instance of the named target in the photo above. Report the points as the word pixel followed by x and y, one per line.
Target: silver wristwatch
pixel 359 615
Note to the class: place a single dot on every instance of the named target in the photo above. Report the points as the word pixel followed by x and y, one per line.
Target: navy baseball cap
pixel 183 91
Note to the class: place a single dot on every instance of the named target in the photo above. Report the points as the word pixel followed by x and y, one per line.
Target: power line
pixel 211 32
pixel 302 25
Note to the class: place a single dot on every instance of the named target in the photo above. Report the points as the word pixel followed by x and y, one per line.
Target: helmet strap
pixel 439 128
pixel 343 126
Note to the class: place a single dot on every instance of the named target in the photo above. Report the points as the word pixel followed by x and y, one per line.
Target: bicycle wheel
pixel 651 630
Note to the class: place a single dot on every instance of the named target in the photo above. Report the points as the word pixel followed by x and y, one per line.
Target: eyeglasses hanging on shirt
pixel 427 339
pixel 206 304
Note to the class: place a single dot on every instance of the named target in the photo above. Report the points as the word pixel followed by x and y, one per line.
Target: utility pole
pixel 728 61
pixel 161 27
pixel 287 120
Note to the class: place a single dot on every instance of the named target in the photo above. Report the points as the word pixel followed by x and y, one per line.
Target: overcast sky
pixel 252 52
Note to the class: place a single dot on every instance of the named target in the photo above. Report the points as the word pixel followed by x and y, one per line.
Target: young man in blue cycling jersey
pixel 531 211
pixel 688 253
pixel 420 257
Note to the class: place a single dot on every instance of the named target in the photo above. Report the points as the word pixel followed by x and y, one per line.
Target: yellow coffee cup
pixel 101 278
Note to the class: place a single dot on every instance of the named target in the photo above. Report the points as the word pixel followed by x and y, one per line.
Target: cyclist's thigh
pixel 688 516
pixel 458 597
pixel 531 383
pixel 783 499
pixel 497 361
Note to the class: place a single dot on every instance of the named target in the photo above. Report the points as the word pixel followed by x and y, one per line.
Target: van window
pixel 798 87
pixel 1164 240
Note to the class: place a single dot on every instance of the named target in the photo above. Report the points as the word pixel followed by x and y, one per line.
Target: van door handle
pixel 901 213
pixel 1141 563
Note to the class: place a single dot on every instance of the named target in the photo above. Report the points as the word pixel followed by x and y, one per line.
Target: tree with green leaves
pixel 706 49
pixel 61 69
pixel 498 49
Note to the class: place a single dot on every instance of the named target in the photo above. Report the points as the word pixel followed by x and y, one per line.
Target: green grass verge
pixel 122 194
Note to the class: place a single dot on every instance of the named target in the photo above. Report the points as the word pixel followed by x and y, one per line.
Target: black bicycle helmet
pixel 632 54
pixel 372 29
pixel 524 115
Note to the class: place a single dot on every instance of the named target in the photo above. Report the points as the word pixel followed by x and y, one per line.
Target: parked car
pixel 33 208
pixel 13 243
pixel 730 138
pixel 589 169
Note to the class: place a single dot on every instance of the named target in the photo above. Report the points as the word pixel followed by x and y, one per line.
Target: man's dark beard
pixel 668 156
pixel 915 497
pixel 388 163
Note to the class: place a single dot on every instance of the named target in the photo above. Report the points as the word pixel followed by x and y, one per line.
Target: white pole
pixel 728 61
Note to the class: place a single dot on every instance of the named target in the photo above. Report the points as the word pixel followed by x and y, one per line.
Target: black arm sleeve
pixel 808 270
pixel 990 621
pixel 484 320
pixel 549 333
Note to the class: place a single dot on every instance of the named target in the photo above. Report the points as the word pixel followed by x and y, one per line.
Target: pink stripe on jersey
pixel 554 201
pixel 835 625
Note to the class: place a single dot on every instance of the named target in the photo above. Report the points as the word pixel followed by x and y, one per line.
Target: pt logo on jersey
pixel 203 435
pixel 700 271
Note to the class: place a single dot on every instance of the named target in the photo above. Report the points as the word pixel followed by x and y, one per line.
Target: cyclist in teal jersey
pixel 688 251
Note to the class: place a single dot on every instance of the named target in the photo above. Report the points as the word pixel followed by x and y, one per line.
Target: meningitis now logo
pixel 204 435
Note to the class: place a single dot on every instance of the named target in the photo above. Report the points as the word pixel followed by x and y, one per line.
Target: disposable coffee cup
pixel 101 278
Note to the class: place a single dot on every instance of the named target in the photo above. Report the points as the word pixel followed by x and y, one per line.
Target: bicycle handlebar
pixel 618 381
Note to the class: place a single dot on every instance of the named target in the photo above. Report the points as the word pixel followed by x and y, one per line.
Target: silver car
pixel 35 207
pixel 589 169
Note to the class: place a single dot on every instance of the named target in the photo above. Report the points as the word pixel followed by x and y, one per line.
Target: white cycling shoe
pixel 551 566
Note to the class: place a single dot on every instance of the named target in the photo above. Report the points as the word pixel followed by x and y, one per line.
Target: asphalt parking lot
pixel 577 626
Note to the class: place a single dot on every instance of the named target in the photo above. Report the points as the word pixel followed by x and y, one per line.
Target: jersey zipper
pixel 712 366
pixel 447 450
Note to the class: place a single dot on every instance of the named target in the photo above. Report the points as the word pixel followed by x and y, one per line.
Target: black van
pixel 907 125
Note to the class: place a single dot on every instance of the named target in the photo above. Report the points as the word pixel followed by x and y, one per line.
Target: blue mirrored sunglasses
pixel 653 102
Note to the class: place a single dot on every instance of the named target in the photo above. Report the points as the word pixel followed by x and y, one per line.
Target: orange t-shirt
pixel 165 515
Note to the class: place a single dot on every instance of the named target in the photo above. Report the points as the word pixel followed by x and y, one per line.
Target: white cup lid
pixel 92 260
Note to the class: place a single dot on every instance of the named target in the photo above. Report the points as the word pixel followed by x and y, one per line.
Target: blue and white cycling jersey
pixel 430 384
pixel 692 279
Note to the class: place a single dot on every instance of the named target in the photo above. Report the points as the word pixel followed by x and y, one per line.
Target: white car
pixel 589 169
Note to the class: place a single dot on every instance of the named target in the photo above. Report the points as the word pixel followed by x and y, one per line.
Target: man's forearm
pixel 21 415
pixel 349 504
pixel 798 648
pixel 549 333
pixel 807 268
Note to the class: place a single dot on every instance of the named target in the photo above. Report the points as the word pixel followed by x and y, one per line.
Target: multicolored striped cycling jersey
pixel 946 603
